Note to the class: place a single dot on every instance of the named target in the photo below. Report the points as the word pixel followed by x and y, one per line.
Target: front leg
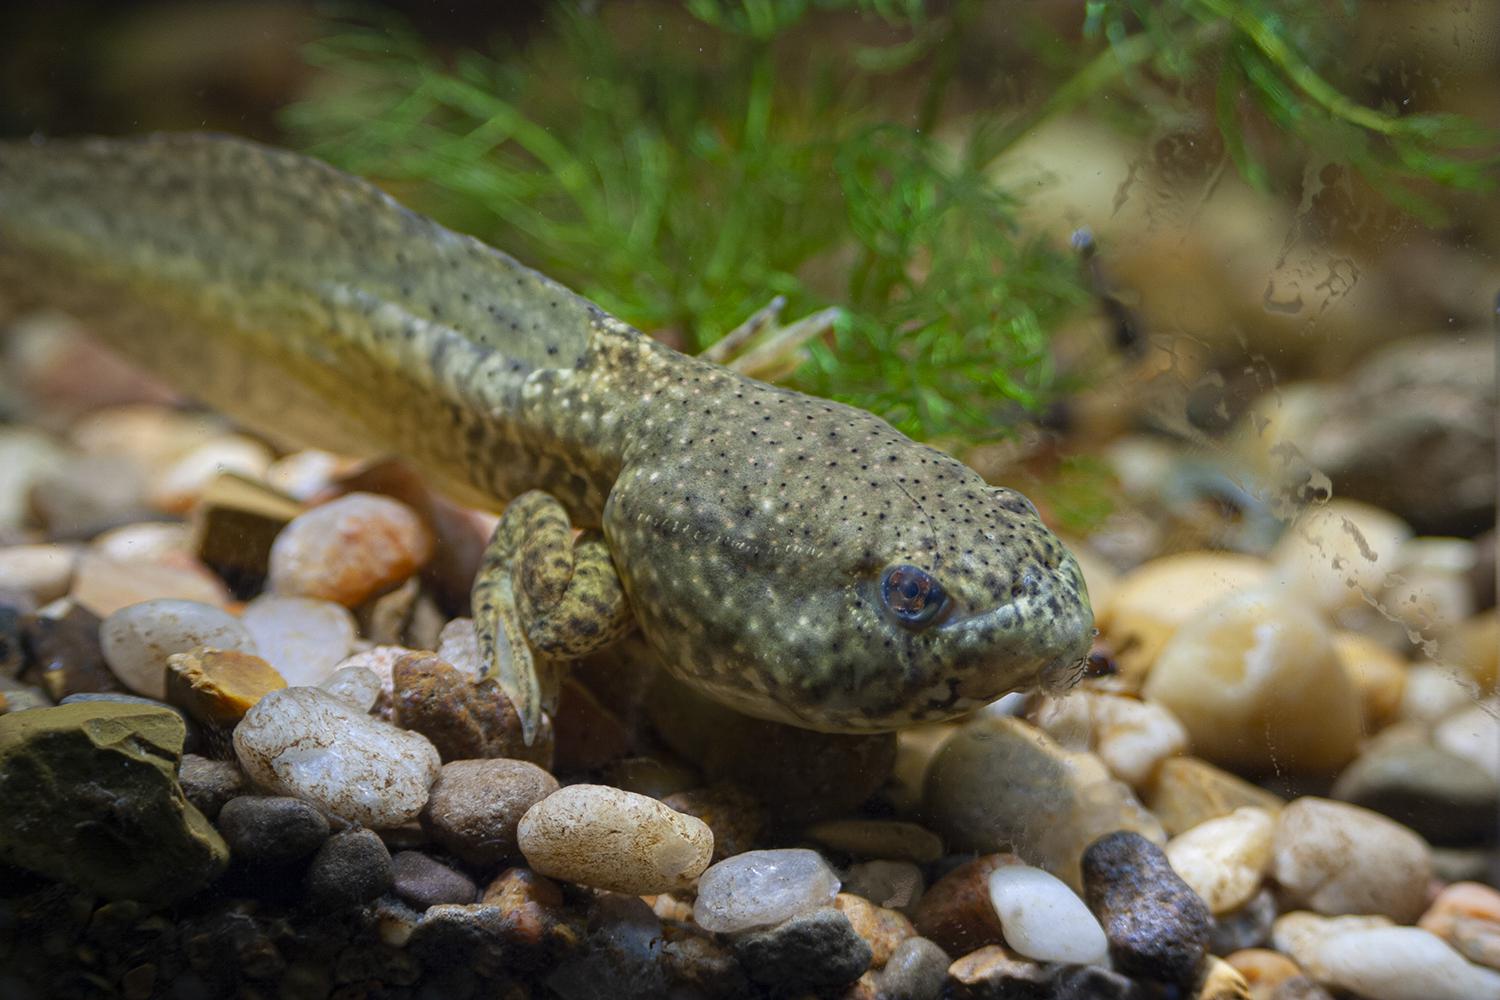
pixel 543 596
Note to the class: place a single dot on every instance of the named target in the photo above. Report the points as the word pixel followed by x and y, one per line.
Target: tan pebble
pixel 1475 648
pixel 349 549
pixel 1151 602
pixel 670 907
pixel 1221 981
pixel 1474 733
pixel 1467 916
pixel 1378 673
pixel 178 487
pixel 915 749
pixel 1337 554
pixel 956 912
pixel 303 475
pixel 882 929
pixel 1224 860
pixel 1187 791
pixel 1263 969
pixel 879 838
pixel 995 971
pixel 42 571
pixel 1299 933
pixel 148 541
pixel 602 837
pixel 1259 685
pixel 1402 963
pixel 151 435
pixel 1435 690
pixel 218 686
pixel 1336 858
pixel 736 817
pixel 104 585
pixel 1429 591
pixel 1131 736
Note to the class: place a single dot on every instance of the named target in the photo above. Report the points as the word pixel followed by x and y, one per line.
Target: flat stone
pixel 218 686
pixel 236 521
pixel 105 585
pixel 1157 927
pixel 423 881
pixel 817 950
pixel 350 868
pixel 993 973
pixel 763 888
pixel 475 807
pixel 91 797
pixel 180 486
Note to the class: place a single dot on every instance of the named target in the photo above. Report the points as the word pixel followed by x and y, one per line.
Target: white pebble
pixel 303 638
pixel 608 838
pixel 359 686
pixel 763 888
pixel 1338 858
pixel 305 742
pixel 458 646
pixel 137 640
pixel 1402 963
pixel 1225 859
pixel 41 571
pixel 1043 919
pixel 1473 732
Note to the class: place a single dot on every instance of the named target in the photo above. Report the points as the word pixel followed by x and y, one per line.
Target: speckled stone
pixel 208 784
pixel 475 806
pixel 464 720
pixel 349 549
pixel 816 950
pixel 736 818
pixel 350 868
pixel 423 881
pixel 271 829
pixel 915 971
pixel 1158 928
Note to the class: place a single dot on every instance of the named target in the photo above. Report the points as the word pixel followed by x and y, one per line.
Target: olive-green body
pixel 749 524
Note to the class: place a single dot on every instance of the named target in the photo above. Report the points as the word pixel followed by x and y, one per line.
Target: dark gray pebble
pixel 817 950
pixel 271 829
pixel 1158 927
pixel 915 971
pixel 1247 927
pixel 424 882
pixel 350 868
pixel 208 784
pixel 1093 982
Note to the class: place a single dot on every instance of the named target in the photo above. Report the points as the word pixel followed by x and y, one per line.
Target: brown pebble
pixel 464 720
pixel 736 817
pixel 349 549
pixel 956 913
pixel 1157 927
pixel 475 805
pixel 882 929
pixel 535 920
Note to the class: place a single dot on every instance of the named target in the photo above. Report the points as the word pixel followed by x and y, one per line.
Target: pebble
pixel 42 572
pixel 1091 982
pixel 882 929
pixel 537 924
pixel 957 912
pixel 1335 858
pixel 304 639
pixel 348 550
pixel 602 837
pixel 1189 791
pixel 588 733
pixel 1445 798
pixel 462 719
pixel 762 888
pixel 915 971
pixel 1221 981
pixel 1000 784
pixel 89 493
pixel 1467 916
pixel 178 487
pixel 105 585
pixel 1224 860
pixel 657 777
pixel 25 455
pixel 1335 554
pixel 271 829
pixel 147 541
pixel 735 817
pixel 1402 963
pixel 350 868
pixel 897 885
pixel 915 749
pixel 1260 687
pixel 1131 736
pixel 235 523
pixel 1434 691
pixel 1263 969
pixel 1378 673
pixel 458 646
pixel 1157 927
pixel 1247 927
pixel 305 742
pixel 425 882
pixel 304 475
pixel 993 973
pixel 218 686
pixel 1042 919
pixel 879 838
pixel 475 806
pixel 1473 733
pixel 209 784
pixel 359 686
pixel 90 796
pixel 62 640
pixel 811 951
pixel 137 640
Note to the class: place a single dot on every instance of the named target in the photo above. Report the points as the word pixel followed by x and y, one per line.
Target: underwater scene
pixel 715 499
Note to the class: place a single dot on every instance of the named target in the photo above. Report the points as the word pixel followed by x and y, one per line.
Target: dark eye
pixel 913 596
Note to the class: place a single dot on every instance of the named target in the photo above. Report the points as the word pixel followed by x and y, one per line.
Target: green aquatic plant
pixel 683 165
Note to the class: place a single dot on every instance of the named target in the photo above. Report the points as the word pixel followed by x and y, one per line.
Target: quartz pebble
pixel 1157 926
pixel 359 686
pixel 137 640
pixel 305 742
pixel 1131 736
pixel 1337 858
pixel 303 639
pixel 475 806
pixel 1043 919
pixel 762 888
pixel 1402 963
pixel 1433 691
pixel 1259 685
pixel 603 837
pixel 349 549
pixel 1225 859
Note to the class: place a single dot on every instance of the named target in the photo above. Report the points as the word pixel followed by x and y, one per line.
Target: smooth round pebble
pixel 761 888
pixel 916 971
pixel 350 868
pixel 1402 963
pixel 303 741
pixel 271 829
pixel 137 640
pixel 1043 919
pixel 1335 554
pixel 1224 860
pixel 424 882
pixel 41 571
pixel 476 806
pixel 1335 858
pixel 176 488
pixel 348 549
pixel 359 686
pixel 304 639
pixel 606 838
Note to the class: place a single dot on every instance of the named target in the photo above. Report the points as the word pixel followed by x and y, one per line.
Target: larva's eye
pixel 912 595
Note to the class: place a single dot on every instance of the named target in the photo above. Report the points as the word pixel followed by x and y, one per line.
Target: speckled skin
pixel 749 525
